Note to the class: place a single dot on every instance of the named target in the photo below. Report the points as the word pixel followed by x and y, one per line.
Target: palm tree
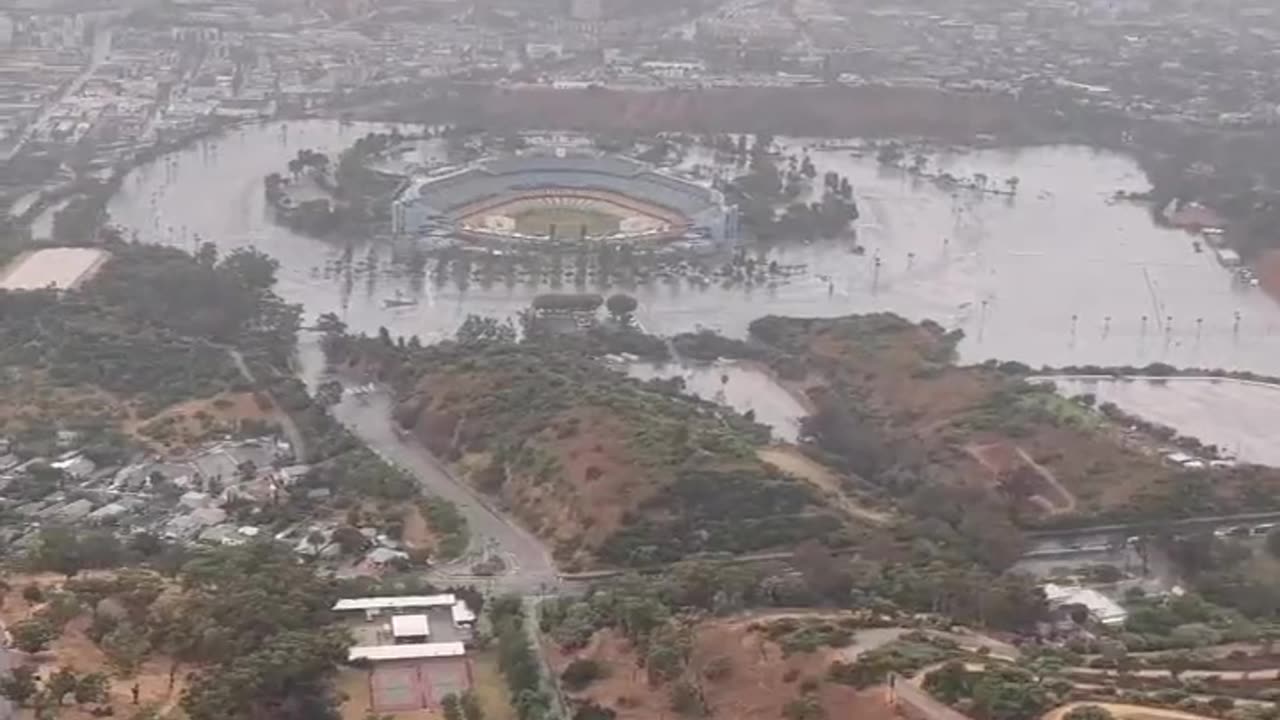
pixel 1012 184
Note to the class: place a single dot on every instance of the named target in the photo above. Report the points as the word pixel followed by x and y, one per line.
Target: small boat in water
pixel 399 301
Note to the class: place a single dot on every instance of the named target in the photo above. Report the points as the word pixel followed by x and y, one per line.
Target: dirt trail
pixel 792 461
pixel 296 438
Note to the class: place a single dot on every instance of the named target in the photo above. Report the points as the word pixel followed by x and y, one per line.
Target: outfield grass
pixel 568 222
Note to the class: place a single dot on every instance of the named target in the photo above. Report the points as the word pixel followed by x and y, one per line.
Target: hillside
pixel 606 468
pixel 138 355
pixel 897 411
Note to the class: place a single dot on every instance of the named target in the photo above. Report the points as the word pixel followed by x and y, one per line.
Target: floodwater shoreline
pixel 1055 276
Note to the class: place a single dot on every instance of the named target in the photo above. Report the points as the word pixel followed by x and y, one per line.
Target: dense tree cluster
pixel 720 498
pixel 150 325
pixel 997 692
pixel 764 188
pixel 259 623
pixel 517 659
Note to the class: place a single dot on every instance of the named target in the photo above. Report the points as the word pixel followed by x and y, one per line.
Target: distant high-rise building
pixel 586 9
pixel 6 32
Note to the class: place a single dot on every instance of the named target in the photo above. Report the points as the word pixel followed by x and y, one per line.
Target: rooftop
pixel 395 603
pixel 410 626
pixel 408 652
pixel 1102 608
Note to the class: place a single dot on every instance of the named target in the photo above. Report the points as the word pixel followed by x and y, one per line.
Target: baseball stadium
pixel 556 197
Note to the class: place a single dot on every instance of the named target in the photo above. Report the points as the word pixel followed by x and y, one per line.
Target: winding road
pixel 529 568
pixel 296 438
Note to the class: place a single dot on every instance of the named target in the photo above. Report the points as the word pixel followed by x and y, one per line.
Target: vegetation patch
pixel 610 469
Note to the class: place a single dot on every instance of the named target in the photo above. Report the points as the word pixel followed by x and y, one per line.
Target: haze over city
pixel 635 359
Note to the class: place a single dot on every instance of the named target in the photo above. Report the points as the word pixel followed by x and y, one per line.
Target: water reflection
pixel 1238 416
pixel 742 386
pixel 1057 276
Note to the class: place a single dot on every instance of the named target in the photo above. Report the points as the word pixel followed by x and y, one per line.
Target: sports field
pixel 62 268
pixel 568 221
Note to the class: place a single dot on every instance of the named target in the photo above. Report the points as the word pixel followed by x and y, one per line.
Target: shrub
pixel 581 673
pixel 32 635
pixel 1089 712
pixel 33 594
pixel 718 668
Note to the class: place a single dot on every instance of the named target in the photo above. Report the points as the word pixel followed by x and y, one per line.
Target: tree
pixel 590 710
pixel 20 685
pixel 451 708
pixel 32 636
pixel 91 688
pixel 253 270
pixel 687 700
pixel 351 540
pixel 949 683
pixel 471 709
pixel 1088 712
pixel 1178 663
pixel 1008 694
pixel 126 647
pixel 287 678
pixel 329 393
pixel 581 673
pixel 807 707
pixel 478 329
pixel 330 324
pixel 621 307
pixel 668 650
pixel 60 683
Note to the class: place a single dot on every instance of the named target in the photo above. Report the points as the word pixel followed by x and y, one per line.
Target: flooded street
pixel 1012 273
pixel 742 386
pixel 1238 416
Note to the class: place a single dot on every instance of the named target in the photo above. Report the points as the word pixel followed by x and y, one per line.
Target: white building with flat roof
pixel 409 629
pixel 1101 608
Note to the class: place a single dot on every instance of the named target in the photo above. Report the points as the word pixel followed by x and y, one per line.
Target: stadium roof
pixel 526 173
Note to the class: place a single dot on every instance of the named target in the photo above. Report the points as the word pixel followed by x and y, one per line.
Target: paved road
pixel 530 569
pixel 296 438
pixel 1102 534
pixel 101 50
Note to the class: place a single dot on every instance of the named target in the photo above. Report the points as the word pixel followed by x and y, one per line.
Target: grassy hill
pixel 609 469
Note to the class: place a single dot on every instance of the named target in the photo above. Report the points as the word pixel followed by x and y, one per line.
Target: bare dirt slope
pixel 760 682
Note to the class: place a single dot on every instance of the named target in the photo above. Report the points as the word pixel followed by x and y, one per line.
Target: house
pixel 75 465
pixel 410 629
pixel 384 556
pixel 1098 607
pixel 186 527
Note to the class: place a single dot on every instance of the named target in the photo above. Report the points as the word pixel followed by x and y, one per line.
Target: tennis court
pixel 415 684
pixel 395 688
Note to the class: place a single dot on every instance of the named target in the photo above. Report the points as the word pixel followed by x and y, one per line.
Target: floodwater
pixel 1054 276
pixel 1241 417
pixel 742 386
